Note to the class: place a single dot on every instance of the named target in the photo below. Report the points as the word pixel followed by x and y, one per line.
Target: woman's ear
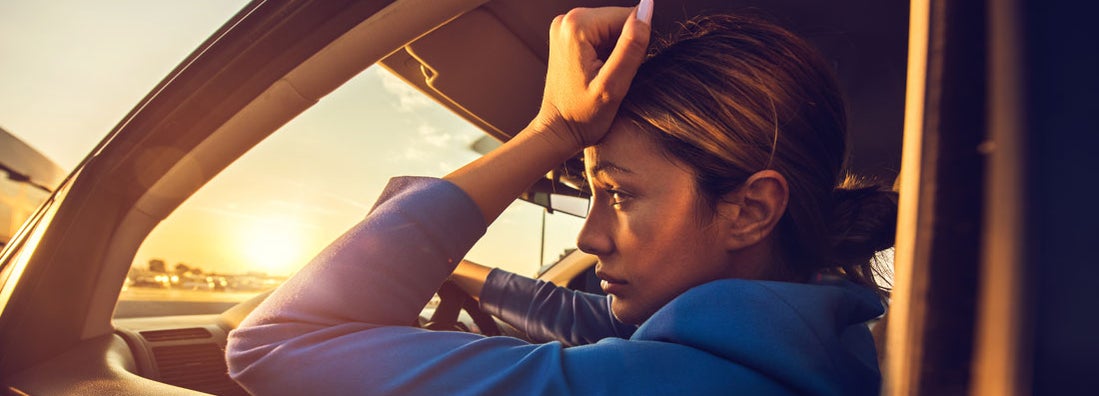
pixel 750 213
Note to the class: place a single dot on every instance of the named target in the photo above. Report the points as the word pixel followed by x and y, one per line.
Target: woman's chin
pixel 629 313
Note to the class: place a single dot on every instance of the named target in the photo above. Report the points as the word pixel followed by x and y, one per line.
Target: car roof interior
pixel 867 47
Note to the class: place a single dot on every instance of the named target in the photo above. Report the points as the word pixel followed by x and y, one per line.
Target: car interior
pixel 482 60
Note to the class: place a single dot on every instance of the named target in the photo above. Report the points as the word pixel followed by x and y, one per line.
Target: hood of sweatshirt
pixel 812 337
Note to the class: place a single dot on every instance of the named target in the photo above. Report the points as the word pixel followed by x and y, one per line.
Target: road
pixel 142 302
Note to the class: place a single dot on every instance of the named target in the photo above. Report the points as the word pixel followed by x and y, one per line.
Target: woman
pixel 733 261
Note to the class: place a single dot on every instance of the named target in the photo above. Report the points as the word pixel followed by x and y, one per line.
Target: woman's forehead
pixel 624 151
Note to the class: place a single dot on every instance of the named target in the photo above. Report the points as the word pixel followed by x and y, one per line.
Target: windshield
pixel 277 206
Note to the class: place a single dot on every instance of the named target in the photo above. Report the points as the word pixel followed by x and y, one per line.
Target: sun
pixel 274 247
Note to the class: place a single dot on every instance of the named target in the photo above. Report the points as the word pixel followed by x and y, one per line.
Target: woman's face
pixel 653 237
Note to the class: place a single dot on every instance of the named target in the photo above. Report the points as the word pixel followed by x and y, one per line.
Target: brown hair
pixel 730 96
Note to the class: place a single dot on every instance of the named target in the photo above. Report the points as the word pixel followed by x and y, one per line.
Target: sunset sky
pixel 70 70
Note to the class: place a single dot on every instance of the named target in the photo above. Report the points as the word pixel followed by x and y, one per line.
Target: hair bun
pixel 864 221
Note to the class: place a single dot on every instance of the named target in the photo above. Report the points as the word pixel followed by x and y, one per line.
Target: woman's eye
pixel 617 197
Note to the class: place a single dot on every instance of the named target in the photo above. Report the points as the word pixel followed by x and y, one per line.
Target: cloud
pixel 297 207
pixel 257 218
pixel 412 153
pixel 434 136
pixel 409 100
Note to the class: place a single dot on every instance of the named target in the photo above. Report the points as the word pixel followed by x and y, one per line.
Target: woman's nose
pixel 595 237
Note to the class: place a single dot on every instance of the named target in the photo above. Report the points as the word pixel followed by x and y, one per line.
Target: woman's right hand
pixel 583 90
pixel 582 95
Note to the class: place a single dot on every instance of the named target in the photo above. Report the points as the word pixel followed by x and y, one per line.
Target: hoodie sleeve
pixel 547 312
pixel 339 326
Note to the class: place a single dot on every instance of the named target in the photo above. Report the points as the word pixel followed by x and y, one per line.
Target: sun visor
pixel 478 68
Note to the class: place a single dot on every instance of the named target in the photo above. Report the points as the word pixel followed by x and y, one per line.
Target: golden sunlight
pixel 274 247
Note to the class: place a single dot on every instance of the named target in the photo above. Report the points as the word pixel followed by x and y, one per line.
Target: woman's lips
pixel 610 284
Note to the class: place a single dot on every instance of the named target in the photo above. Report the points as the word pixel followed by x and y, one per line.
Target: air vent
pixel 176 334
pixel 199 367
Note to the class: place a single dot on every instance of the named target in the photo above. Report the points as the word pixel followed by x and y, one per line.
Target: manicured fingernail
pixel 645 11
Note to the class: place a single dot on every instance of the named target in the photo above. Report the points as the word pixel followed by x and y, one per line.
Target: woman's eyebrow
pixel 608 167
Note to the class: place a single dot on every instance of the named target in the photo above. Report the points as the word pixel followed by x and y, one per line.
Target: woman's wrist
pixel 496 179
pixel 470 277
pixel 558 134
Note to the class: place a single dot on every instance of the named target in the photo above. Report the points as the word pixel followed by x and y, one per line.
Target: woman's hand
pixel 585 85
pixel 582 95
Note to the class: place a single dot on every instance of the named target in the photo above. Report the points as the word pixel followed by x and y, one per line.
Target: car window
pixel 277 206
pixel 17 202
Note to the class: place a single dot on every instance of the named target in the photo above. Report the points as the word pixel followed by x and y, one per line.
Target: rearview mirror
pixel 557 196
pixel 558 191
pixel 576 206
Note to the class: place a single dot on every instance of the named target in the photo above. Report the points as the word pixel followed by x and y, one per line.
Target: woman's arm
pixel 547 312
pixel 542 310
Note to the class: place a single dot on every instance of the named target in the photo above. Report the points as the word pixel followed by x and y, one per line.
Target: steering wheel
pixel 452 299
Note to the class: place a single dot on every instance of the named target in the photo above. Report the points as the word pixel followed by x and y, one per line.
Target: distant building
pixel 26 179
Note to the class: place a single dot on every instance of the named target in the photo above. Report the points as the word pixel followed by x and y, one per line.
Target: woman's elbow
pixel 253 358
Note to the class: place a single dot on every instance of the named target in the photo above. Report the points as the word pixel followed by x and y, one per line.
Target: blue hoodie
pixel 339 326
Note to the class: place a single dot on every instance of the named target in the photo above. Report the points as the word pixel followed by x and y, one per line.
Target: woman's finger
pixel 629 51
pixel 583 89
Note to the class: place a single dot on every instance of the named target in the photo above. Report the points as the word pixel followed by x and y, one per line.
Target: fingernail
pixel 645 11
